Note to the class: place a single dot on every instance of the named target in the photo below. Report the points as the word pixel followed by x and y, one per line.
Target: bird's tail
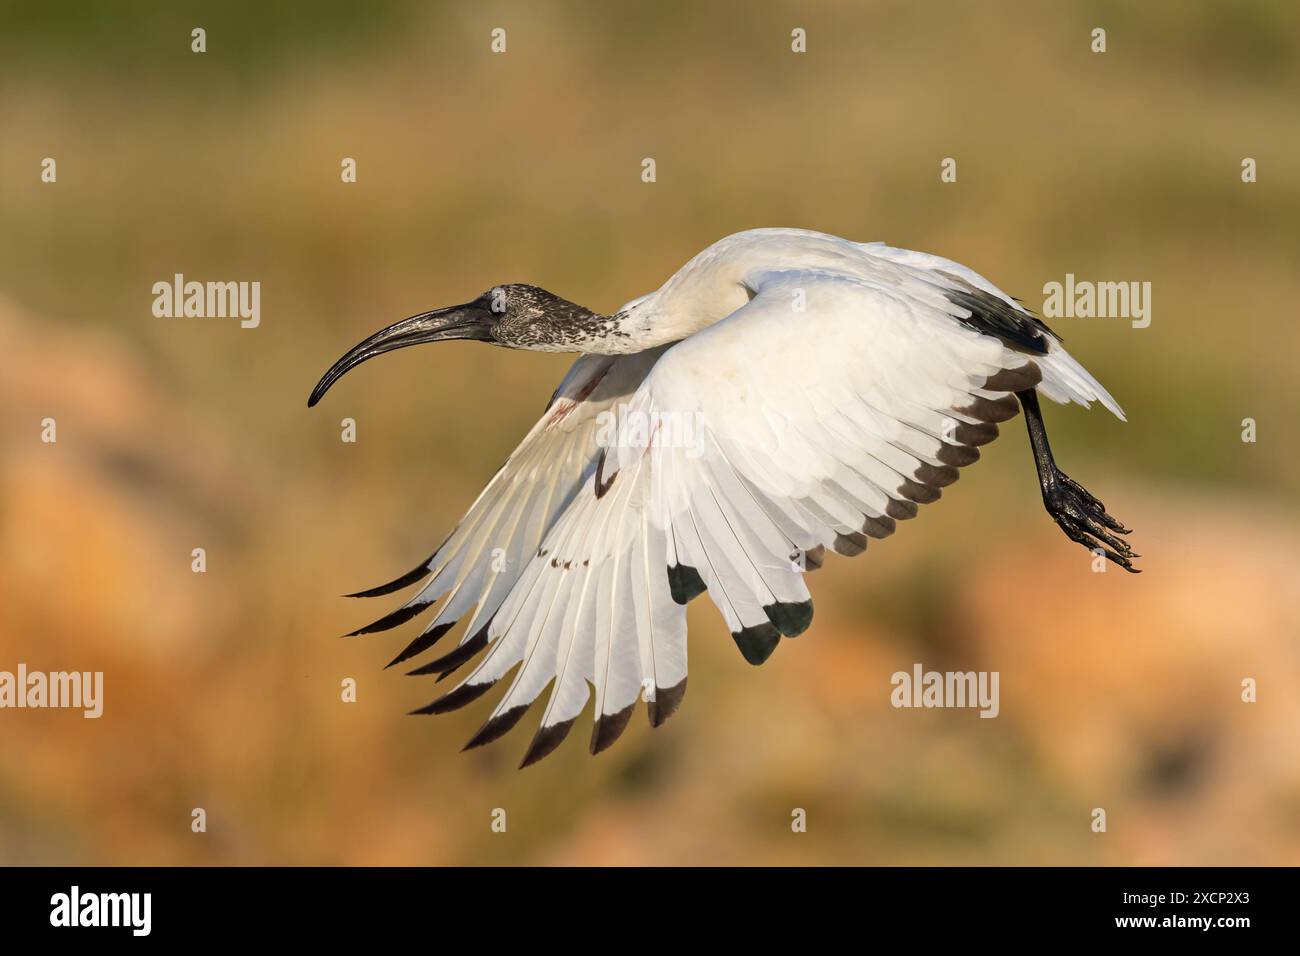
pixel 1065 381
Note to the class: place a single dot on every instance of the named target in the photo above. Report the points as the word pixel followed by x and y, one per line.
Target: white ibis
pixel 784 393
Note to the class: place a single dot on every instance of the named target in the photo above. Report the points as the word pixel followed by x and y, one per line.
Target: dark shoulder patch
pixel 992 316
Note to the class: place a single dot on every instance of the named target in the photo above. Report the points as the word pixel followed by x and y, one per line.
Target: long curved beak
pixel 470 321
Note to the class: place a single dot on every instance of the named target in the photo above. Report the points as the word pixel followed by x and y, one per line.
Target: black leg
pixel 1081 516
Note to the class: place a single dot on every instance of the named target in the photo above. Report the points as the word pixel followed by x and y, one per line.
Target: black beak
pixel 473 320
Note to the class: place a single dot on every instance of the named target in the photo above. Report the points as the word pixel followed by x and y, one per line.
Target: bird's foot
pixel 1084 519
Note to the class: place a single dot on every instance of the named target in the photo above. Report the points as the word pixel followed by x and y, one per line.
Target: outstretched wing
pixel 478 563
pixel 816 417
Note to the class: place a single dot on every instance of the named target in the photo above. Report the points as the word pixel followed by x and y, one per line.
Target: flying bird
pixel 785 393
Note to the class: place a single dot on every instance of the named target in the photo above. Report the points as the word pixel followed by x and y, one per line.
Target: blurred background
pixel 473 169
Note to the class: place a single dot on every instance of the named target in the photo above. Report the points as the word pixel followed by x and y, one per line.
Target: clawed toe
pixel 1084 519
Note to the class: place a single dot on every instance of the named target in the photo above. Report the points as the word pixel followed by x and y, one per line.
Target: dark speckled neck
pixel 540 321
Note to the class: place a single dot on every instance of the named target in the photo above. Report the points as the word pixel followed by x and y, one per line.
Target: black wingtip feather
pixel 609 727
pixel 684 583
pixel 789 617
pixel 850 545
pixel 459 697
pixel 900 510
pixel 758 642
pixel 919 493
pixel 666 702
pixel 545 742
pixel 422 643
pixel 406 580
pixel 878 527
pixel 389 621
pixel 1014 379
pixel 449 662
pixel 496 727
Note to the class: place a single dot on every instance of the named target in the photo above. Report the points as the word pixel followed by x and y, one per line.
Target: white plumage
pixel 785 393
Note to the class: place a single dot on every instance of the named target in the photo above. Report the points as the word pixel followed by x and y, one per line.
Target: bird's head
pixel 515 315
